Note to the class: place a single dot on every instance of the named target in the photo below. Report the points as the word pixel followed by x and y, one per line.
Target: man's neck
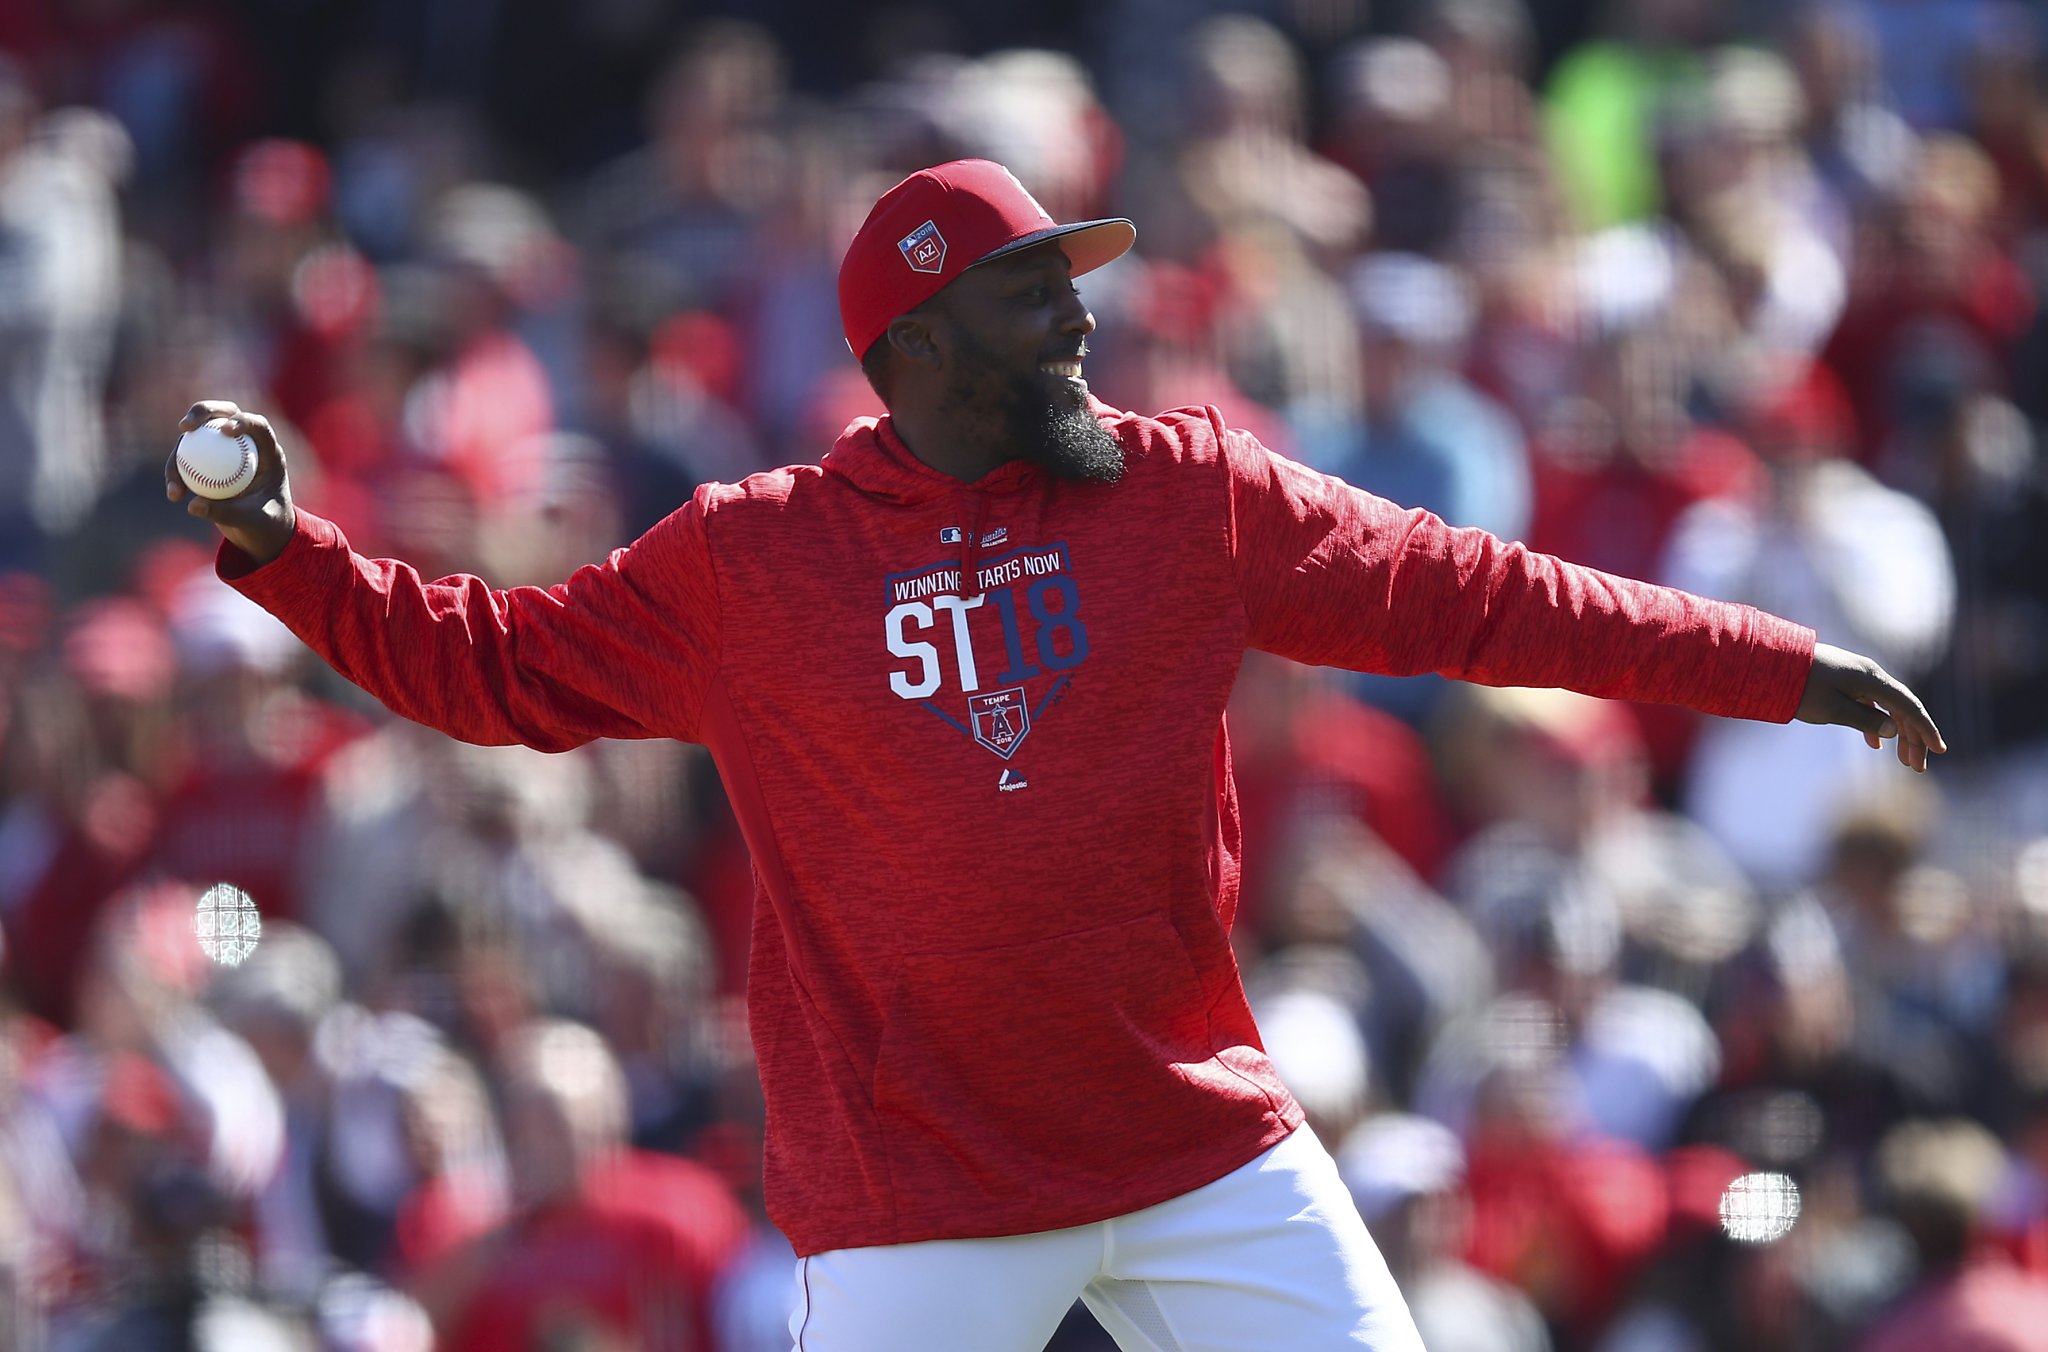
pixel 943 446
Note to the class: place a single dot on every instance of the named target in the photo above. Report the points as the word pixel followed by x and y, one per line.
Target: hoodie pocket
pixel 1004 1066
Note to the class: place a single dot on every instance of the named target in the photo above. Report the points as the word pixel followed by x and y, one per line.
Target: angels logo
pixel 924 248
pixel 1001 720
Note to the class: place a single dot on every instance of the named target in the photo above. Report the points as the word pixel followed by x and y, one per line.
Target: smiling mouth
pixel 1071 370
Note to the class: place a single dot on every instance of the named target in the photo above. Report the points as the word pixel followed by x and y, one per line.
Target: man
pixel 964 680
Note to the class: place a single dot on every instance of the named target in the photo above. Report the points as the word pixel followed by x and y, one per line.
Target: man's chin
pixel 1076 445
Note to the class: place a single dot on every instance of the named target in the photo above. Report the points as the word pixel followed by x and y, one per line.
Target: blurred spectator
pixel 1924 49
pixel 1548 883
pixel 174 1127
pixel 657 405
pixel 680 211
pixel 1305 752
pixel 366 846
pixel 484 407
pixel 571 516
pixel 1856 141
pixel 1241 153
pixel 789 349
pixel 650 1000
pixel 1426 438
pixel 1349 920
pixel 2003 87
pixel 1792 1082
pixel 1407 1175
pixel 1513 246
pixel 1923 965
pixel 1618 463
pixel 60 281
pixel 276 1001
pixel 1772 230
pixel 139 1001
pixel 1811 546
pixel 1571 1219
pixel 433 1170
pixel 241 811
pixel 1391 124
pixel 604 1242
pixel 1317 1050
pixel 86 748
pixel 265 274
pixel 1608 96
pixel 1933 293
pixel 1285 332
pixel 1170 353
pixel 42 1204
pixel 1976 461
pixel 465 884
pixel 1940 1177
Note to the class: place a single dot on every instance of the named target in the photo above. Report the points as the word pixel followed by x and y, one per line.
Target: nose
pixel 1075 316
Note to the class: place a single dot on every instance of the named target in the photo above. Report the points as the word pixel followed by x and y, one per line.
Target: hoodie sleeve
pixel 626 648
pixel 1331 575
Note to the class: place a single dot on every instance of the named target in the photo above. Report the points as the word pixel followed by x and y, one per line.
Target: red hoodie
pixel 996 842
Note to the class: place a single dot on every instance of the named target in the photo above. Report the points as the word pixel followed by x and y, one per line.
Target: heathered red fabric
pixel 992 989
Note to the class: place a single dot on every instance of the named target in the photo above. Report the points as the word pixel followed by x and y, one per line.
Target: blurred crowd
pixel 1744 298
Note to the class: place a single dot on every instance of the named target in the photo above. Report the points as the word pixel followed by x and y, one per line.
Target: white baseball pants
pixel 1271 1256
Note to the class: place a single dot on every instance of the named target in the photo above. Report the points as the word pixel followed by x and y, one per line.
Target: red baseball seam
pixel 185 466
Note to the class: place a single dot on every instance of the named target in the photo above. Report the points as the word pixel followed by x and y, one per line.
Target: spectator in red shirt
pixel 1928 264
pixel 1939 1178
pixel 77 802
pixel 243 809
pixel 603 1242
pixel 1313 752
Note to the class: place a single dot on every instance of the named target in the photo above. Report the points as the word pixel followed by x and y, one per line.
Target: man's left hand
pixel 1855 692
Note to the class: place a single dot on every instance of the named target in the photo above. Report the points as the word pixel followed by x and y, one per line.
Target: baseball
pixel 214 464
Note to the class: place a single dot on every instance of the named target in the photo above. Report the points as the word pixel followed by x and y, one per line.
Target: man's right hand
pixel 1851 690
pixel 260 519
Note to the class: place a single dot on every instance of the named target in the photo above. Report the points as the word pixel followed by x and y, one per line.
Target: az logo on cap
pixel 924 248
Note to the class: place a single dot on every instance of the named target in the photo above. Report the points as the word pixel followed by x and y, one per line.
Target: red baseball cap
pixel 941 221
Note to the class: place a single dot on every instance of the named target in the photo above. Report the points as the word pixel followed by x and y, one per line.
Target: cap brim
pixel 1087 244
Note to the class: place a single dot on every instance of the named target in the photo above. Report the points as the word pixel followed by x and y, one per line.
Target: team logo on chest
pixel 1002 720
pixel 987 655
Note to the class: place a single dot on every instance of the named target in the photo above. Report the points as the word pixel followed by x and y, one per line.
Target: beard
pixel 1031 415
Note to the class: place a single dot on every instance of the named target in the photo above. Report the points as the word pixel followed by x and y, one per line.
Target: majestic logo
pixel 1002 720
pixel 924 248
pixel 1010 781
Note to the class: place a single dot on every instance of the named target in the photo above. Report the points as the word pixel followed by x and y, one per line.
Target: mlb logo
pixel 924 248
pixel 949 535
pixel 1001 720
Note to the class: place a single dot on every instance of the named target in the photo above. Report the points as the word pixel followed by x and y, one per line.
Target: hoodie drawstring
pixel 970 546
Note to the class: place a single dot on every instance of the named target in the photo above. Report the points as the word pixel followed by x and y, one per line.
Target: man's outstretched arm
pixel 1333 575
pixel 626 648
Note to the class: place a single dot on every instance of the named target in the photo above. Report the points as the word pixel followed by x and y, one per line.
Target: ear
pixel 913 338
